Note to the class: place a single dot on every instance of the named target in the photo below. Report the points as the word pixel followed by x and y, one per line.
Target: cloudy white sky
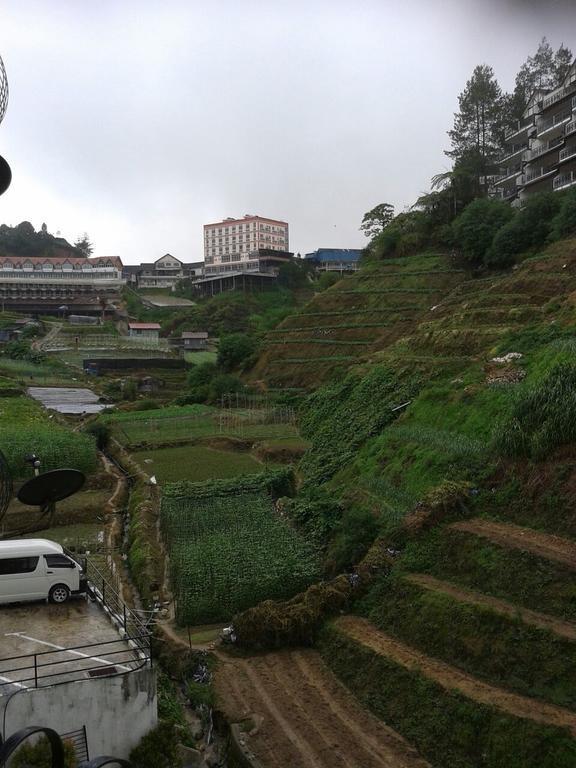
pixel 140 120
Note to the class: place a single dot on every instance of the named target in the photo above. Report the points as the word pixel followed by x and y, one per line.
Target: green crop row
pixel 230 552
pixel 344 326
pixel 335 342
pixel 298 360
pixel 447 728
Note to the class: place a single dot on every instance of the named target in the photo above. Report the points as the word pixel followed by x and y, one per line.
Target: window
pixel 58 561
pixel 18 565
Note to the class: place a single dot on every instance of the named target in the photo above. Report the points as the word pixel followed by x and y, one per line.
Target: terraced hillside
pixel 466 645
pixel 361 313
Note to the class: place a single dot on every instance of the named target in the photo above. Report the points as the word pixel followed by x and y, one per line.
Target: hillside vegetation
pixel 451 439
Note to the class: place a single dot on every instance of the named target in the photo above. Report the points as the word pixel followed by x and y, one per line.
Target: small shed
pixel 144 330
pixel 194 340
pixel 150 384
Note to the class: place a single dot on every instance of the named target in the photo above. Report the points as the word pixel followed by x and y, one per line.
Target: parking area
pixel 43 644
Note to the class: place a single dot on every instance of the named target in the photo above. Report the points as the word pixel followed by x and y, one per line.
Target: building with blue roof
pixel 336 259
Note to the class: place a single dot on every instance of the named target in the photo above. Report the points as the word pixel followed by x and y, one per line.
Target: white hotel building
pixel 236 244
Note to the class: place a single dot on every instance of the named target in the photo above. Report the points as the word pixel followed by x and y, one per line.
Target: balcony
pixel 521 126
pixel 570 128
pixel 556 96
pixel 547 147
pixel 79 277
pixel 553 122
pixel 564 180
pixel 538 173
pixel 567 153
pixel 515 150
pixel 510 174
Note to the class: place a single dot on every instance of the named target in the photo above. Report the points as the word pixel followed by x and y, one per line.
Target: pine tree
pixel 477 134
pixel 84 245
pixel 545 69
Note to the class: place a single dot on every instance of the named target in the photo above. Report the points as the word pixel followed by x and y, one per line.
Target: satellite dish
pixel 5 172
pixel 5 175
pixel 46 489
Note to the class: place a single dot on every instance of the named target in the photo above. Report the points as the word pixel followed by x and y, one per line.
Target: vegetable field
pixel 230 551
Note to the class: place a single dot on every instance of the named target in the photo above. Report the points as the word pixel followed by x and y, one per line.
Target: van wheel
pixel 59 593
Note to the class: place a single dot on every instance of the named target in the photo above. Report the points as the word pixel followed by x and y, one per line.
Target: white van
pixel 36 569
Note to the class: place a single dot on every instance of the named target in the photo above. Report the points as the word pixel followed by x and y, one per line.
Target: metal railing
pixel 568 152
pixel 79 741
pixel 558 95
pixel 564 180
pixel 545 125
pixel 536 174
pixel 550 145
pixel 520 125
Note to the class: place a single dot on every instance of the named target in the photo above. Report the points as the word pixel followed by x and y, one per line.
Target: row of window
pixel 49 267
pixel 13 565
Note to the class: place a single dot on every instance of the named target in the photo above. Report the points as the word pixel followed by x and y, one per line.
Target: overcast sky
pixel 140 121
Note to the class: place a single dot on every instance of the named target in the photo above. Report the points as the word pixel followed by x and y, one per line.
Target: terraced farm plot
pixel 358 315
pixel 305 717
pixel 195 462
pixel 229 552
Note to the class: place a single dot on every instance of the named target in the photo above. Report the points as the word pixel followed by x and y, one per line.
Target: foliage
pixel 529 228
pixel 22 350
pixel 196 463
pixel 23 240
pixel 564 223
pixel 341 416
pixel 39 755
pixel 478 124
pixel 229 553
pixel 295 274
pixel 158 749
pixel 447 728
pixel 327 280
pixel 101 432
pixel 56 446
pixel 377 219
pixel 546 69
pixel 543 416
pixel 355 532
pixel 277 482
pixel 236 350
pixel 83 245
pixel 475 228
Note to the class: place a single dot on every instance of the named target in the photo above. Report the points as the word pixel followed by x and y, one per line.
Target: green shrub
pixel 529 228
pixel 475 228
pixel 564 223
pixel 101 432
pixel 57 448
pixel 237 350
pixel 158 749
pixel 39 755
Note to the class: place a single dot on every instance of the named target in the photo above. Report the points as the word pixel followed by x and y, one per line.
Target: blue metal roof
pixel 335 254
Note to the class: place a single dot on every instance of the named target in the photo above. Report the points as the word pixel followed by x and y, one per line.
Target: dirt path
pixel 304 717
pixel 451 678
pixel 540 620
pixel 542 544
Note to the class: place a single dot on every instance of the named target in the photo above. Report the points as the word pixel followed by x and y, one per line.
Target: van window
pixel 58 561
pixel 18 565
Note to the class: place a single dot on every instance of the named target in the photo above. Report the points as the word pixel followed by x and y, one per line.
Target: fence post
pixel 35 671
pixel 124 611
pixel 103 591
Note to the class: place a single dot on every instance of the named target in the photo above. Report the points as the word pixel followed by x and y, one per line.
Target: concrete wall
pixel 117 711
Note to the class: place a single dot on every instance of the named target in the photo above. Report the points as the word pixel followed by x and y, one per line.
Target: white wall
pixel 117 711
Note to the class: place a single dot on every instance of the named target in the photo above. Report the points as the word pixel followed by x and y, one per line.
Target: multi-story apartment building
pixel 236 243
pixel 541 148
pixel 43 284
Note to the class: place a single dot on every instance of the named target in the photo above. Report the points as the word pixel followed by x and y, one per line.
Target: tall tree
pixel 377 219
pixel 546 69
pixel 84 245
pixel 477 134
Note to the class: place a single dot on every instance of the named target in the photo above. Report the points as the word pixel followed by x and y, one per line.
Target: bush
pixel 475 228
pixel 530 228
pixel 236 350
pixel 101 432
pixel 158 749
pixel 56 447
pixel 39 755
pixel 564 223
pixel 147 404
